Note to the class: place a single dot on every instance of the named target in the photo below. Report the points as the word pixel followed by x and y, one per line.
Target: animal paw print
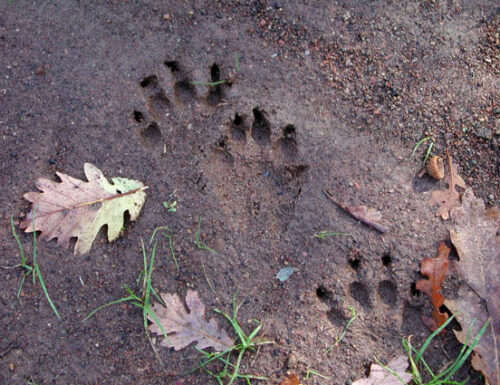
pixel 370 298
pixel 171 93
pixel 262 178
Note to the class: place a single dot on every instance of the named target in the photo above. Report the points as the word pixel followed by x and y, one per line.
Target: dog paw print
pixel 363 290
pixel 363 293
pixel 262 175
pixel 172 93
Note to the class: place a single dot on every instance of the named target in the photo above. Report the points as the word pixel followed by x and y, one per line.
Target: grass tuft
pixel 33 270
pixel 167 235
pixel 231 370
pixel 418 364
pixel 144 300
pixel 429 148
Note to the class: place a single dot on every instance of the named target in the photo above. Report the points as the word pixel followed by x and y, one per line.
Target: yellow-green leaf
pixel 77 209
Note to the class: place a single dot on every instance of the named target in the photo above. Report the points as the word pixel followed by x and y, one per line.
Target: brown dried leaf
pixel 435 270
pixel 183 328
pixel 78 209
pixel 449 198
pixel 380 376
pixel 366 215
pixel 292 379
pixel 474 235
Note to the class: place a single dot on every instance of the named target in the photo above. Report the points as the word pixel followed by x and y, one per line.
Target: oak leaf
pixel 474 234
pixel 77 209
pixel 435 270
pixel 184 327
pixel 449 198
pixel 381 376
pixel 292 379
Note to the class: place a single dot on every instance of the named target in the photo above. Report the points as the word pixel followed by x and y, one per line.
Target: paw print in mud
pixel 168 93
pixel 370 288
pixel 257 180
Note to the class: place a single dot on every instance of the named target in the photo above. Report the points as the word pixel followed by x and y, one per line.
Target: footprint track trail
pixel 366 285
pixel 171 98
pixel 257 181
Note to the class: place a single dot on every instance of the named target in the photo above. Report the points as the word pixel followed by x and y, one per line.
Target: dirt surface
pixel 329 94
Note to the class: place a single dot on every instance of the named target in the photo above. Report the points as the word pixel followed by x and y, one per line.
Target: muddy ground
pixel 329 94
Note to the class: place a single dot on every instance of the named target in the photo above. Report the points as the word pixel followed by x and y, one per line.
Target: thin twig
pixel 348 210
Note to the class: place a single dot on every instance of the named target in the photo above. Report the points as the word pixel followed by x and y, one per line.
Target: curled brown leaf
pixel 435 271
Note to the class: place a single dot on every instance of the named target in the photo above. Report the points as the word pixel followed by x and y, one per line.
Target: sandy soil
pixel 329 94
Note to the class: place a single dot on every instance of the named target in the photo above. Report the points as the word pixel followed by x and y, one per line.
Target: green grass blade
pixel 45 291
pixel 417 378
pixel 210 84
pixel 158 298
pixel 324 234
pixel 157 321
pixel 256 330
pixel 351 320
pixel 419 143
pixel 315 373
pixel 131 293
pixel 171 245
pixel 391 371
pixel 197 239
pixel 21 283
pixel 19 245
pixel 124 299
pixel 428 151
pixel 38 273
pixel 426 366
pixel 236 62
pixel 209 357
pixel 159 228
pixel 430 338
pixel 461 359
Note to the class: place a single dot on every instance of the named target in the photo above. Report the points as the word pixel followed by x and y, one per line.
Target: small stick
pixel 353 213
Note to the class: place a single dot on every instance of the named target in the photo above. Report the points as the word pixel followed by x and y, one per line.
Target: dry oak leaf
pixel 183 328
pixel 292 379
pixel 449 198
pixel 78 209
pixel 380 376
pixel 474 234
pixel 435 270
